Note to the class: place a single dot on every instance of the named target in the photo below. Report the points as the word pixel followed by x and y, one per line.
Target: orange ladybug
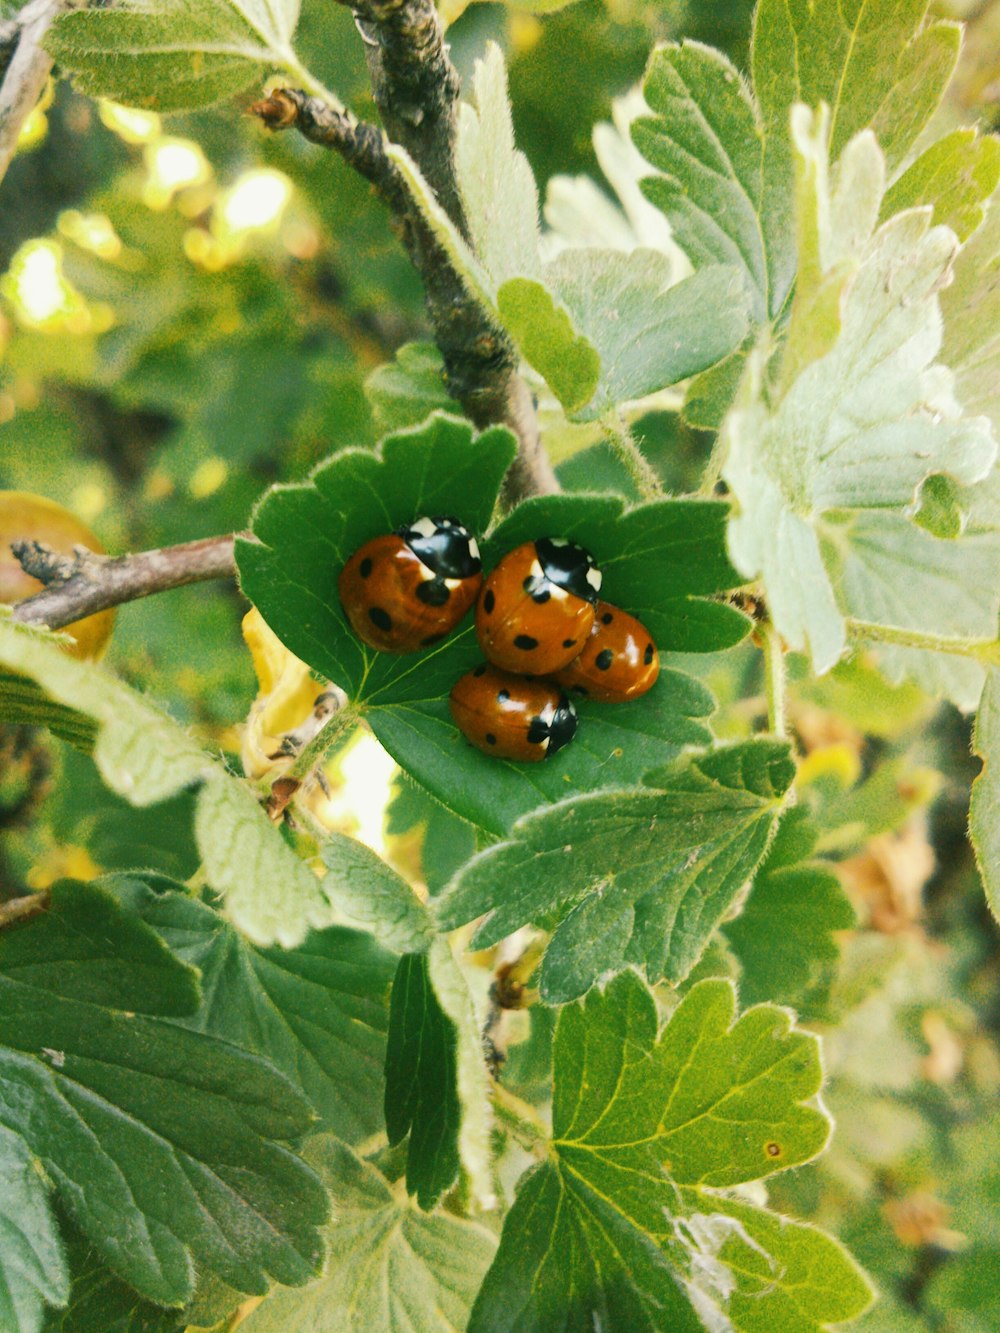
pixel 409 589
pixel 512 717
pixel 619 661
pixel 537 607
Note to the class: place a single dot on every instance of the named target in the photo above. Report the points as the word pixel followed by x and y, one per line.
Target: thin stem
pixel 713 468
pixel 775 677
pixel 523 1121
pixel 986 651
pixel 639 468
pixel 315 752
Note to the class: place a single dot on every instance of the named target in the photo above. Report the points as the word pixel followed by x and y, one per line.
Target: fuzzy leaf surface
pixel 177 56
pixel 318 1012
pixel 33 1269
pixel 956 175
pixel 143 755
pixel 124 1110
pixel 391 1267
pixel 662 561
pixel 971 309
pixel 640 876
pixel 853 432
pixel 369 894
pixel 647 1126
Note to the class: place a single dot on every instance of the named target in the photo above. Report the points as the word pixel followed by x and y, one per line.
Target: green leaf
pixel 783 937
pixel 143 755
pixel 707 141
pixel 436 1086
pixel 405 391
pixel 852 432
pixel 649 331
pixel 661 561
pixel 894 573
pixel 984 812
pixel 624 1225
pixel 545 334
pixel 369 894
pixel 94 952
pixel 421 1087
pixel 873 66
pixel 962 1291
pixel 23 703
pixel 447 841
pixel 956 175
pixel 495 179
pixel 971 309
pixel 177 57
pixel 317 1013
pixel 392 1269
pixel 635 876
pixel 32 1265
pixel 124 1111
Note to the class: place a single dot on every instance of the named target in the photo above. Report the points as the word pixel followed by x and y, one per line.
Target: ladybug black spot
pixel 479 671
pixel 534 586
pixel 489 602
pixel 365 568
pixel 607 618
pixel 647 656
pixel 490 738
pixel 568 643
pixel 380 619
pixel 431 638
pixel 604 659
pixel 525 642
pixel 433 592
pixel 541 597
pixel 503 696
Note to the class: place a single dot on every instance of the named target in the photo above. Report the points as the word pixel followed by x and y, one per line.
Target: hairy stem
pixel 986 651
pixel 83 583
pixel 24 68
pixel 22 909
pixel 775 678
pixel 623 442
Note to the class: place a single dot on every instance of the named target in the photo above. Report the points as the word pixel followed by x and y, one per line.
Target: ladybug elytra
pixel 510 716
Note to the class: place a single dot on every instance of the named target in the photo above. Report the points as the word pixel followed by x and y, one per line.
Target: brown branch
pixel 480 362
pixel 23 909
pixel 80 584
pixel 24 67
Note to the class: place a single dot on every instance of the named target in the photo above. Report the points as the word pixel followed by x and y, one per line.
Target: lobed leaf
pixel 956 176
pixel 124 1111
pixel 617 1226
pixel 662 561
pixel 392 1268
pixel 633 876
pixel 33 1270
pixel 318 1013
pixel 143 755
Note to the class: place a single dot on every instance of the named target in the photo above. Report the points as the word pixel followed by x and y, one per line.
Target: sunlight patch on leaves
pixel 391 1268
pixel 143 755
pixel 641 876
pixel 124 1110
pixel 971 309
pixel 647 1126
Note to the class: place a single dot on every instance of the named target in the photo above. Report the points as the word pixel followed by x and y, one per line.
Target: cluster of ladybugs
pixel 541 627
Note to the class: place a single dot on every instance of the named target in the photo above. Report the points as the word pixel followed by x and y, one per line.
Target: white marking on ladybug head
pixel 453 584
pixel 595 578
pixel 473 548
pixel 559 541
pixel 425 526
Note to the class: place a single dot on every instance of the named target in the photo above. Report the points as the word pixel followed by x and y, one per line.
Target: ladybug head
pixel 569 566
pixel 444 545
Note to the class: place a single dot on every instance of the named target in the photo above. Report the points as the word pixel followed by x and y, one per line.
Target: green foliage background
pixel 209 386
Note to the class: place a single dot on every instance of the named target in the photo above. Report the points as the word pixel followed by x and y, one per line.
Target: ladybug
pixel 512 717
pixel 537 607
pixel 619 661
pixel 409 589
